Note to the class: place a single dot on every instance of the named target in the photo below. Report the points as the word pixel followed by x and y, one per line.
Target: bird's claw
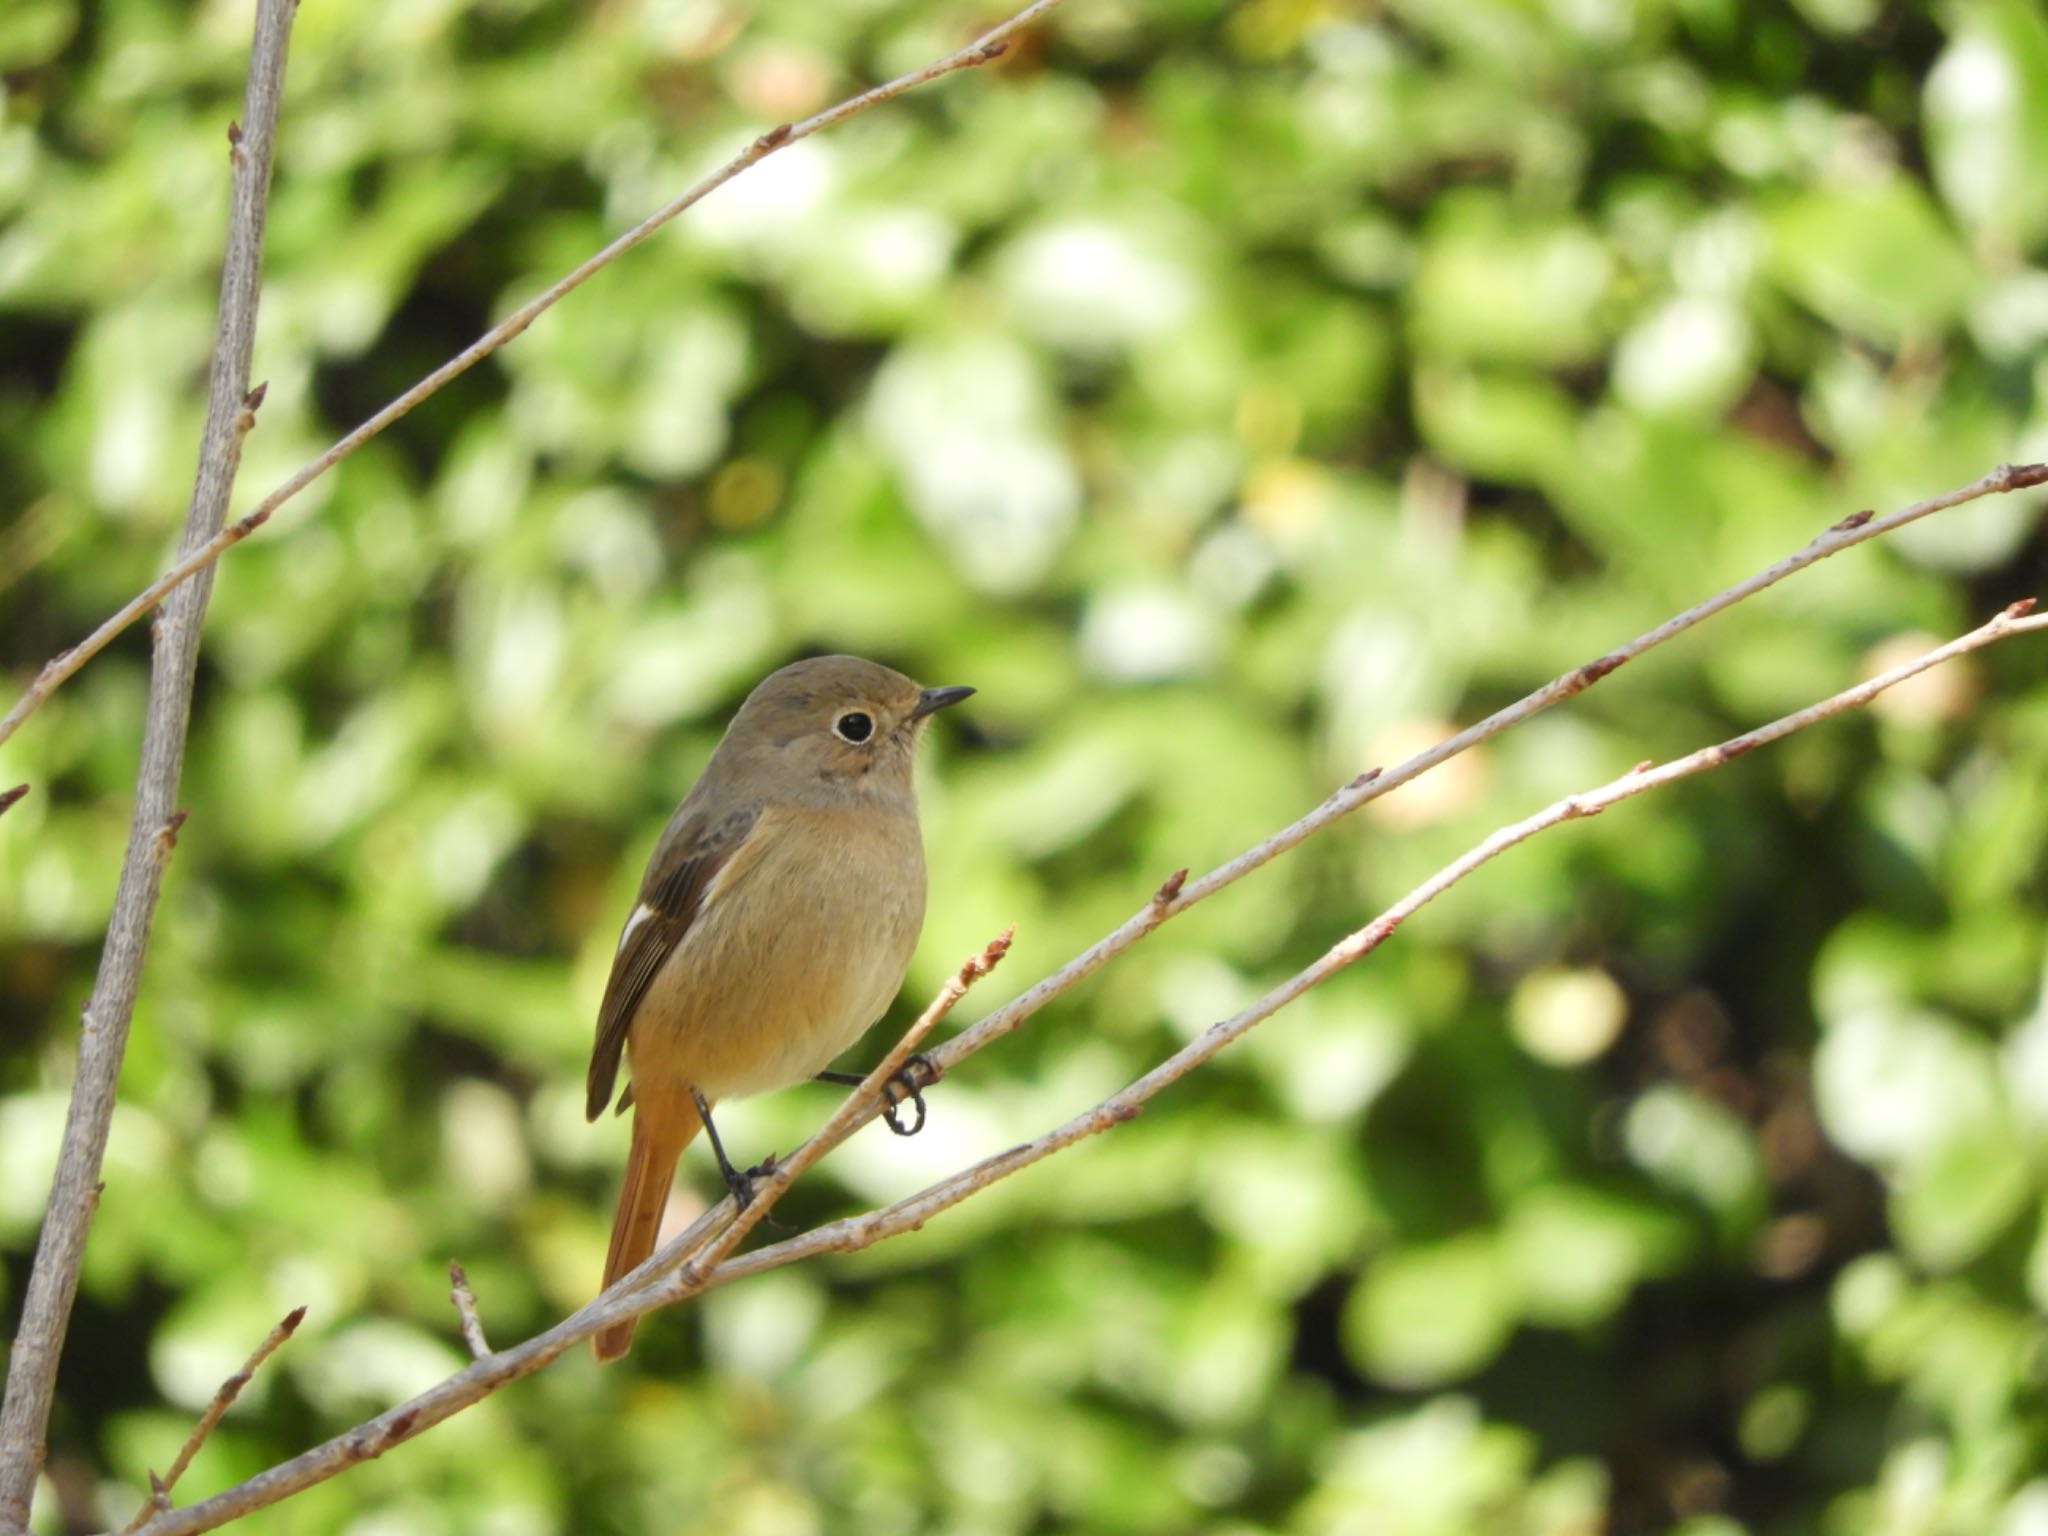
pixel 906 1086
pixel 743 1191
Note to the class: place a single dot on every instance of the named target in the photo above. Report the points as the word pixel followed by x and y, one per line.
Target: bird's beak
pixel 932 700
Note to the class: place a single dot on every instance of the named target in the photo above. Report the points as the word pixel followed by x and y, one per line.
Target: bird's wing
pixel 681 873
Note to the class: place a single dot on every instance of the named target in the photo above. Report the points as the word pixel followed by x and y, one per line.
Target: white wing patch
pixel 640 915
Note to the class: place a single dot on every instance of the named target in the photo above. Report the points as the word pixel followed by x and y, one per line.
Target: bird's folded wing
pixel 672 895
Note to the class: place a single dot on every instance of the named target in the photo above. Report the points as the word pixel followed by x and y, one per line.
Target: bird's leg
pixel 905 1085
pixel 741 1184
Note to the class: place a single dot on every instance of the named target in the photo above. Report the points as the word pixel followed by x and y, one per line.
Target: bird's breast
pixel 800 945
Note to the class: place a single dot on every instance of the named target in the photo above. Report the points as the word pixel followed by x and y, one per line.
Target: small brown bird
pixel 774 925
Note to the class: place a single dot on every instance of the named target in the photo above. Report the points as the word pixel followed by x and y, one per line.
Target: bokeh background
pixel 1240 394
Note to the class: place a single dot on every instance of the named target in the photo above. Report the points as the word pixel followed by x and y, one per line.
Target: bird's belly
pixel 768 986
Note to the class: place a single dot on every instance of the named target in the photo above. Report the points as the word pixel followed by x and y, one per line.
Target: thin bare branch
pixel 628 1297
pixel 691 1262
pixel 153 828
pixel 914 1211
pixel 861 1105
pixel 695 1259
pixel 465 1308
pixel 9 796
pixel 1178 893
pixel 989 46
pixel 224 1399
pixel 648 1288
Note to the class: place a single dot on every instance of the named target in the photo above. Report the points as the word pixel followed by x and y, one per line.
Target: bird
pixel 773 926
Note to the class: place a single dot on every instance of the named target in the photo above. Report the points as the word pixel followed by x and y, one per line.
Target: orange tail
pixel 650 1169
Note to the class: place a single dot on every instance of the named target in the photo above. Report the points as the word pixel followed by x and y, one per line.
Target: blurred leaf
pixel 1577 1253
pixel 1696 1147
pixel 1873 259
pixel 1987 116
pixel 1489 289
pixel 1952 1205
pixel 1424 1316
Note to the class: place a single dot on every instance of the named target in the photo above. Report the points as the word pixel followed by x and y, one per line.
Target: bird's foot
pixel 745 1185
pixel 907 1086
pixel 740 1184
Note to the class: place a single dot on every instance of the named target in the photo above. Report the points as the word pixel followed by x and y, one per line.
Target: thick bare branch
pixel 53 1283
pixel 194 559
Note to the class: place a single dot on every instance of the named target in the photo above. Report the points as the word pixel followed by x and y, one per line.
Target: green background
pixel 1239 395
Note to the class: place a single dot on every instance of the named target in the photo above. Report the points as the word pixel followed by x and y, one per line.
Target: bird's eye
pixel 853 726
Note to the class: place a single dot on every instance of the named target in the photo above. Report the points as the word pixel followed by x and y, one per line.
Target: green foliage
pixel 1239 395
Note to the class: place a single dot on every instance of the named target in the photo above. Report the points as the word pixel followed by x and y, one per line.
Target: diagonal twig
pixel 465 1309
pixel 915 1210
pixel 984 49
pixel 695 1251
pixel 223 1399
pixel 8 797
pixel 644 1290
pixel 1179 893
pixel 153 828
pixel 487 1375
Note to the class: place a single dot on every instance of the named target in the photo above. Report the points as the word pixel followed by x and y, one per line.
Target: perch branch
pixel 908 1214
pixel 9 796
pixel 465 1309
pixel 153 829
pixel 989 46
pixel 223 1399
pixel 490 1372
pixel 646 1289
pixel 1178 893
pixel 855 1110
